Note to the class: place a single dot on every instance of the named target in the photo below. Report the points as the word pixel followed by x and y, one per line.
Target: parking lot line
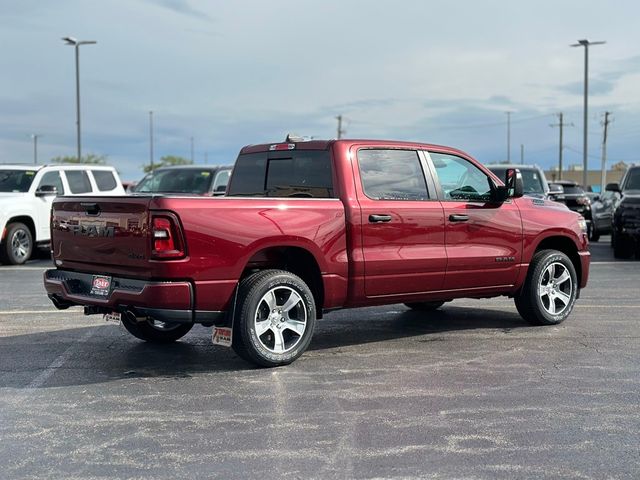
pixel 59 361
pixel 12 312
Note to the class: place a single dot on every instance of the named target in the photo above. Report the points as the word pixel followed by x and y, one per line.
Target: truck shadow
pixel 357 327
pixel 106 353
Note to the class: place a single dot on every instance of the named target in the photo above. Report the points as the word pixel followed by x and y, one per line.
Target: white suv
pixel 26 195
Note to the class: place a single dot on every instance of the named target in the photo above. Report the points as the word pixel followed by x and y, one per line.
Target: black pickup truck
pixel 625 234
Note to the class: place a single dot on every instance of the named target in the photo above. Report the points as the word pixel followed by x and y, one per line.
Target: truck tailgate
pixel 107 231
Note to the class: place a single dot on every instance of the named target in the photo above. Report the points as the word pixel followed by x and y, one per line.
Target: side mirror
pixel 513 182
pixel 500 194
pixel 612 187
pixel 46 190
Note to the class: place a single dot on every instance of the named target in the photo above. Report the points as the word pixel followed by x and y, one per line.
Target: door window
pixel 392 175
pixel 52 179
pixel 104 180
pixel 460 179
pixel 220 183
pixel 78 181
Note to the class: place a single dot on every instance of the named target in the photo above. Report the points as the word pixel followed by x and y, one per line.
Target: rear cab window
pixel 292 173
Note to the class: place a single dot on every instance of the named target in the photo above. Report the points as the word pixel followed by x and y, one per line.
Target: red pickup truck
pixel 307 227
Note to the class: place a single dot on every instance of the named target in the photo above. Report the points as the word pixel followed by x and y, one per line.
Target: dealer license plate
pixel 100 285
pixel 222 336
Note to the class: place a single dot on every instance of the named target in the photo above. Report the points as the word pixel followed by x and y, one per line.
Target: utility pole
pixel 340 130
pixel 561 125
pixel 521 154
pixel 603 178
pixel 151 139
pixel 191 149
pixel 508 136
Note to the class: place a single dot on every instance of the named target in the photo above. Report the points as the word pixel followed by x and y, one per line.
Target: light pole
pixel 34 137
pixel 151 139
pixel 508 136
pixel 585 44
pixel 76 43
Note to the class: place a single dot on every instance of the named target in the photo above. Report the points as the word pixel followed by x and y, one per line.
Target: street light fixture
pixel 585 44
pixel 76 43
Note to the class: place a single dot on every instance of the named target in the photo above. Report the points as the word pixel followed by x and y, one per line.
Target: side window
pixel 392 175
pixel 104 180
pixel 52 179
pixel 220 183
pixel 78 181
pixel 461 179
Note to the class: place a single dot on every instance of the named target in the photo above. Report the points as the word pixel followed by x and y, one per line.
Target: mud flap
pixel 223 336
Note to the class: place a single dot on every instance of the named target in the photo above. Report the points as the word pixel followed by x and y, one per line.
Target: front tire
pixel 275 318
pixel 18 244
pixel 154 331
pixel 550 290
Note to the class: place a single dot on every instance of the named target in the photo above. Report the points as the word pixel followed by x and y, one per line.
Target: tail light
pixel 166 237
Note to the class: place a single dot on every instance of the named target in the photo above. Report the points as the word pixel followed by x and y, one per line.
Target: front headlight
pixel 583 224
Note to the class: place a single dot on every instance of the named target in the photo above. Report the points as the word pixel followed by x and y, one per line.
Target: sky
pixel 233 73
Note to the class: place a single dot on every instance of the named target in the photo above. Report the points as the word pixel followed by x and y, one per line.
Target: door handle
pixel 458 218
pixel 379 218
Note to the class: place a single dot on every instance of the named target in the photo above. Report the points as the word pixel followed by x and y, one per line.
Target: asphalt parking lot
pixel 469 392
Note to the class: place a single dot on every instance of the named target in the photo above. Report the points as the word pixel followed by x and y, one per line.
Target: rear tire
pixel 424 306
pixel 550 289
pixel 18 244
pixel 595 235
pixel 274 319
pixel 156 332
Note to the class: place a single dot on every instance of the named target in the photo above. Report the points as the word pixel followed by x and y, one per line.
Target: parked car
pixel 602 206
pixel 625 235
pixel 310 227
pixel 533 179
pixel 574 197
pixel 186 179
pixel 26 195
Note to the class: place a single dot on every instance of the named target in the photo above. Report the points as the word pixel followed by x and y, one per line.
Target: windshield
pixel 531 180
pixel 573 190
pixel 177 180
pixel 633 180
pixel 16 180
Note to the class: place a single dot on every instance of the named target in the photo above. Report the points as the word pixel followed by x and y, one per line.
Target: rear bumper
pixel 585 261
pixel 170 301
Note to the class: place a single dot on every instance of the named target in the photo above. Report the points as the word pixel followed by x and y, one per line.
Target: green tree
pixel 166 161
pixel 90 158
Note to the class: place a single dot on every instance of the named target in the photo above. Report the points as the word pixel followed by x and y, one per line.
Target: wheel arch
pixel 565 245
pixel 294 259
pixel 26 219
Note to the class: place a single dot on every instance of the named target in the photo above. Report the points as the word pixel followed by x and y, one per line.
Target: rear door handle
pixel 458 218
pixel 379 218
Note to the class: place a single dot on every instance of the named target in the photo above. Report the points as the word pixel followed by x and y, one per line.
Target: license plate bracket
pixel 101 285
